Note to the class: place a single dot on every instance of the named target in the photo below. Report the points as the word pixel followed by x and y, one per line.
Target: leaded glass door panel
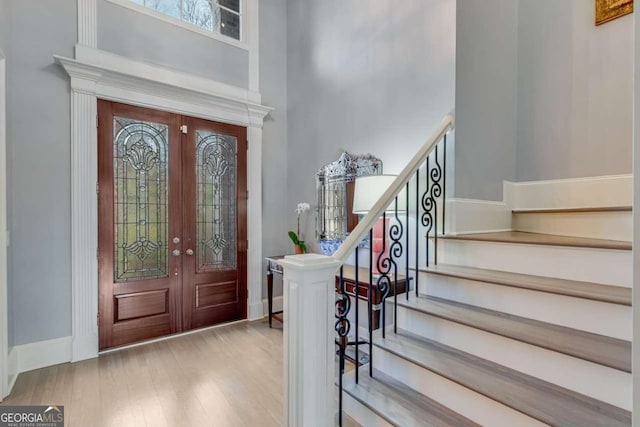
pixel 215 199
pixel 139 196
pixel 172 224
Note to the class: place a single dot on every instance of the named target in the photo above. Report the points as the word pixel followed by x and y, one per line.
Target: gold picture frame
pixel 608 10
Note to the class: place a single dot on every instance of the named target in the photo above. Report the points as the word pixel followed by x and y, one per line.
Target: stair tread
pixel 593 291
pixel 522 237
pixel 576 210
pixel 536 398
pixel 398 404
pixel 612 352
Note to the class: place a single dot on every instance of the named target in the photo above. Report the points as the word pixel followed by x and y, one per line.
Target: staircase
pixel 510 329
pixel 530 327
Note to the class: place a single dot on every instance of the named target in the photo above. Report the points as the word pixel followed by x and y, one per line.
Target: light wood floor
pixel 228 376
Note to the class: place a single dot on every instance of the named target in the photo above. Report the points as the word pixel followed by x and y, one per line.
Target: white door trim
pixel 4 238
pixel 97 74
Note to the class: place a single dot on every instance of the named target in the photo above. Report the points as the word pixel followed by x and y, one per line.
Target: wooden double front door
pixel 172 237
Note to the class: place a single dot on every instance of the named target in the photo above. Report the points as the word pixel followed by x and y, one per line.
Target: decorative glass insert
pixel 219 16
pixel 140 173
pixel 216 172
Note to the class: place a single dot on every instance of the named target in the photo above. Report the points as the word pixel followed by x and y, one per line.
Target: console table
pixel 349 278
pixel 273 267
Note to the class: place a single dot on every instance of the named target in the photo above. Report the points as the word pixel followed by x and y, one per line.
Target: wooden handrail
pixel 363 227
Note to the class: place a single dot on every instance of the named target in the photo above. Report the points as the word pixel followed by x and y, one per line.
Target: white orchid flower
pixel 302 207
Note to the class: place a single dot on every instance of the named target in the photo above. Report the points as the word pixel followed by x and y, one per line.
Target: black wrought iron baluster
pixel 406 242
pixel 355 298
pixel 444 181
pixel 427 208
pixel 395 253
pixel 342 327
pixel 370 302
pixel 383 284
pixel 436 191
pixel 343 305
pixel 417 226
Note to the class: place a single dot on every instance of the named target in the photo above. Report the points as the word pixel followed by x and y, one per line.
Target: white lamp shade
pixel 370 188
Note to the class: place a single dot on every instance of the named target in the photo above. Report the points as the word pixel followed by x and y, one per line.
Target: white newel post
pixel 309 340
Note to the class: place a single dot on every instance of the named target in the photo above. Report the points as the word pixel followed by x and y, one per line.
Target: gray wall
pixel 38 168
pixel 273 86
pixel 5 22
pixel 575 90
pixel 39 137
pixel 4 25
pixel 486 79
pixel 373 79
pixel 136 35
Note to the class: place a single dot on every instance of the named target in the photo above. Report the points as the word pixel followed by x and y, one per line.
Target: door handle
pixel 176 252
pixel 189 252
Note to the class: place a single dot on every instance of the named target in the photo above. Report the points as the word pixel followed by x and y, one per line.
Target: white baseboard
pixel 476 216
pixel 575 193
pixel 42 354
pixel 12 369
pixel 278 303
pixel 84 347
pixel 256 310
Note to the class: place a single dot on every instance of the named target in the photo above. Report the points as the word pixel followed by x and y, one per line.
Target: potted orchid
pixel 301 247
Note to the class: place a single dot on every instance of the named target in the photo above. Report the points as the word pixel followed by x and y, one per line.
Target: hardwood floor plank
pixel 227 376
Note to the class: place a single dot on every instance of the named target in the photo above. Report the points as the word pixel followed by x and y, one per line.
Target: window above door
pixel 220 19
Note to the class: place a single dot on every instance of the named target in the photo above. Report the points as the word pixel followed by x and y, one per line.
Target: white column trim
pixel 96 74
pixel 253 40
pixel 4 238
pixel 309 340
pixel 88 23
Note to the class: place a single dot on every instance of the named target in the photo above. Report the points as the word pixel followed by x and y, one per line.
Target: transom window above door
pixel 222 17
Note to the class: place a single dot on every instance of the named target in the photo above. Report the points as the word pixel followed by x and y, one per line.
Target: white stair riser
pixel 597 381
pixel 613 320
pixel 596 225
pixel 363 415
pixel 460 399
pixel 612 267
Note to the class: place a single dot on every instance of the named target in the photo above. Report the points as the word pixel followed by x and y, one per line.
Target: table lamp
pixel 368 190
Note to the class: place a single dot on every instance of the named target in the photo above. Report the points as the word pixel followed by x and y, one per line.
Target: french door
pixel 172 223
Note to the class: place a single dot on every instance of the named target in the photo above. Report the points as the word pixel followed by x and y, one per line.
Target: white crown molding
pixel 97 74
pixel 109 72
